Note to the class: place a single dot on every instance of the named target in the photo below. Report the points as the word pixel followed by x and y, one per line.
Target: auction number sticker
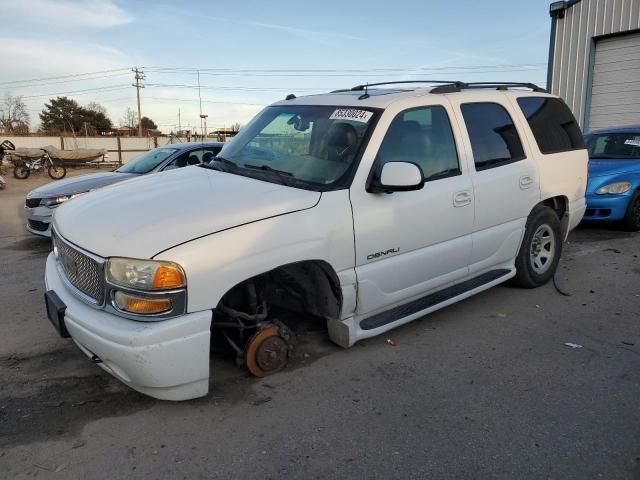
pixel 351 114
pixel 635 142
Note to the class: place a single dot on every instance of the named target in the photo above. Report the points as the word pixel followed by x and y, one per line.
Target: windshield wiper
pixel 220 164
pixel 286 178
pixel 267 168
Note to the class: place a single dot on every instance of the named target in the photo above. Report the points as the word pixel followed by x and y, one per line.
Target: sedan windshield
pixel 614 145
pixel 306 146
pixel 147 161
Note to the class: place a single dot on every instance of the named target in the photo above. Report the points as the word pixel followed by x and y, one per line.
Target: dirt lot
pixel 486 388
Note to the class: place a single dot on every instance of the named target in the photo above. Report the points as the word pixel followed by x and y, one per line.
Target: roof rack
pixel 446 86
pixel 359 88
pixel 458 86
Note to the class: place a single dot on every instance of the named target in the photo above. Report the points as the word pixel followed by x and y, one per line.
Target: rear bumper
pixel 576 213
pixel 167 359
pixel 606 207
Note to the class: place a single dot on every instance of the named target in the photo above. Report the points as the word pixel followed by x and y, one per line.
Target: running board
pixel 396 313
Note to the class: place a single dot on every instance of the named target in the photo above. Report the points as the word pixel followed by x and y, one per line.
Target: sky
pixel 250 53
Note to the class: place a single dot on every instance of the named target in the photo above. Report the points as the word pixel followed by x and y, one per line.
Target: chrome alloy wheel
pixel 543 249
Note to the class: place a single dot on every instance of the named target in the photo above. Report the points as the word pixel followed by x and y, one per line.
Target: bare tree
pixel 14 117
pixel 96 107
pixel 130 119
pixel 235 127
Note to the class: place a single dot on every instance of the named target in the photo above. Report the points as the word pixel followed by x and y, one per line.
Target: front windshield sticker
pixel 351 114
pixel 633 142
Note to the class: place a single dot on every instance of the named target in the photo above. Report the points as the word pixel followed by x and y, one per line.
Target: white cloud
pixel 87 14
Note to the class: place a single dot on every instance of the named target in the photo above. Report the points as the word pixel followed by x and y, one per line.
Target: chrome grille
pixel 82 271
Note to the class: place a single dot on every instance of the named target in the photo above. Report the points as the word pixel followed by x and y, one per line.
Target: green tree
pixel 65 115
pixel 148 123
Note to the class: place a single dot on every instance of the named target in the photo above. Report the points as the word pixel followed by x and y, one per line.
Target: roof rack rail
pixel 458 86
pixel 359 88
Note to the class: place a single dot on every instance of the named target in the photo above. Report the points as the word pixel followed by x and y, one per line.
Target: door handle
pixel 461 199
pixel 525 182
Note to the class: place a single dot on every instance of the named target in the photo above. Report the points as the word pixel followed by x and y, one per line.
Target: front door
pixel 411 243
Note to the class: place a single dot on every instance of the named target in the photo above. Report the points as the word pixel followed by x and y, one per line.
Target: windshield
pixel 147 161
pixel 313 145
pixel 614 145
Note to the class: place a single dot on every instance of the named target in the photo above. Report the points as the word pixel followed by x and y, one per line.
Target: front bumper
pixel 606 207
pixel 39 221
pixel 167 359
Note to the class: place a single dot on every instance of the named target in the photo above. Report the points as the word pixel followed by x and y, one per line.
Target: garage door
pixel 615 94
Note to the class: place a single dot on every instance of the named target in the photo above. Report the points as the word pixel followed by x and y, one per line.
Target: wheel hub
pixel 542 251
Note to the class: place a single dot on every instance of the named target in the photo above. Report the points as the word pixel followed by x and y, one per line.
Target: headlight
pixel 55 201
pixel 614 188
pixel 145 274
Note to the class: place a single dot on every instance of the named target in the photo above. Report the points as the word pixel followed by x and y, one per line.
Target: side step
pixel 431 300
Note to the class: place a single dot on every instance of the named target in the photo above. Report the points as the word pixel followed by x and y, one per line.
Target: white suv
pixel 366 207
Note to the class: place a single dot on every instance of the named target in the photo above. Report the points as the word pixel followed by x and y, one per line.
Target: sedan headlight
pixel 614 188
pixel 146 275
pixel 55 201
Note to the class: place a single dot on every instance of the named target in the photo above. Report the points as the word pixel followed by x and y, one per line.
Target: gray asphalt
pixel 486 388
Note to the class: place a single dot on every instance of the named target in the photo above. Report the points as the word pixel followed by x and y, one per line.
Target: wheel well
pixel 310 287
pixel 558 204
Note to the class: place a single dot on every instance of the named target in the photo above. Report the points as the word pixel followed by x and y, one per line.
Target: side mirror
pixel 398 177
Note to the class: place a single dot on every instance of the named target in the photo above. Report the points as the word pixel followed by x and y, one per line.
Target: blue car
pixel 613 191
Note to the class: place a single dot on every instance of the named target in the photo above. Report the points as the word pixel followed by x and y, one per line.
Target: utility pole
pixel 204 116
pixel 139 75
pixel 179 124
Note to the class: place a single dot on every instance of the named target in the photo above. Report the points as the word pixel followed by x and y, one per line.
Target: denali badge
pixel 371 256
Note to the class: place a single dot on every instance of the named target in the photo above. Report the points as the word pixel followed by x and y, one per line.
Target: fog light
pixel 141 305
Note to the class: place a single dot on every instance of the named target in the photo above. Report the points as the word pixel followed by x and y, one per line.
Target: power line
pixel 30 85
pixel 63 76
pixel 78 92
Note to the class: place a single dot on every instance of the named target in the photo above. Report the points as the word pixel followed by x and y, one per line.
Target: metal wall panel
pixel 573 53
pixel 615 95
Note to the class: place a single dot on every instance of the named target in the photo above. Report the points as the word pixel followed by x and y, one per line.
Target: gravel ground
pixel 486 388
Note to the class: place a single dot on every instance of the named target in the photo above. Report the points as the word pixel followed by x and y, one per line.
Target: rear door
pixel 411 243
pixel 505 181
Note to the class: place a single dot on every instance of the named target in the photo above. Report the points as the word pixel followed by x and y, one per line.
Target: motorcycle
pixel 24 169
pixel 4 146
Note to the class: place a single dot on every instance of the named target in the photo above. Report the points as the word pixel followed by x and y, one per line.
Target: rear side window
pixel 552 123
pixel 494 138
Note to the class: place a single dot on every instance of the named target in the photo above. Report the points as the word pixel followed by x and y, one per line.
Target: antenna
pixel 365 95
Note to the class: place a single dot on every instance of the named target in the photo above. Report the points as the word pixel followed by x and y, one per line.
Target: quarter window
pixel 422 136
pixel 494 138
pixel 552 123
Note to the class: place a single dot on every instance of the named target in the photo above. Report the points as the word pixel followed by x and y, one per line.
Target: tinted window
pixel 552 123
pixel 147 161
pixel 422 136
pixel 614 146
pixel 494 138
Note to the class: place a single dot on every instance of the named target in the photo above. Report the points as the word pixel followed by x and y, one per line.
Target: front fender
pixel 216 263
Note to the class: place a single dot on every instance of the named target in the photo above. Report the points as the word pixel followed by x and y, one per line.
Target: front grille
pixel 32 202
pixel 37 225
pixel 82 271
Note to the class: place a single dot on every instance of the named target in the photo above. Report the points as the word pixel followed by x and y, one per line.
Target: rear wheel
pixel 632 217
pixel 56 171
pixel 21 171
pixel 540 250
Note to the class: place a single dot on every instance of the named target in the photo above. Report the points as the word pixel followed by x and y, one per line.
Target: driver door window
pixel 422 136
pixel 194 157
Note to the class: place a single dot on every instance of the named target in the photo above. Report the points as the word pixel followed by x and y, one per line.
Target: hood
pixel 144 216
pixel 601 167
pixel 79 184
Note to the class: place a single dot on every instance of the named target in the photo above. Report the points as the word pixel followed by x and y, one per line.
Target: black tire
pixel 21 172
pixel 631 220
pixel 542 230
pixel 57 171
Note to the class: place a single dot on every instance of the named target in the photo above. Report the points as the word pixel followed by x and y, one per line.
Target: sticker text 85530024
pixel 351 114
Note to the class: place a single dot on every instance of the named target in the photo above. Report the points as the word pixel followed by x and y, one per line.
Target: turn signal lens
pixel 140 305
pixel 168 276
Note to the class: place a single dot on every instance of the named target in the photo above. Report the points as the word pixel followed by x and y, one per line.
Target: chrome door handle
pixel 525 181
pixel 460 199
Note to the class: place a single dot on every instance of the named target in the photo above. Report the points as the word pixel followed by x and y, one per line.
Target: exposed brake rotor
pixel 267 350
